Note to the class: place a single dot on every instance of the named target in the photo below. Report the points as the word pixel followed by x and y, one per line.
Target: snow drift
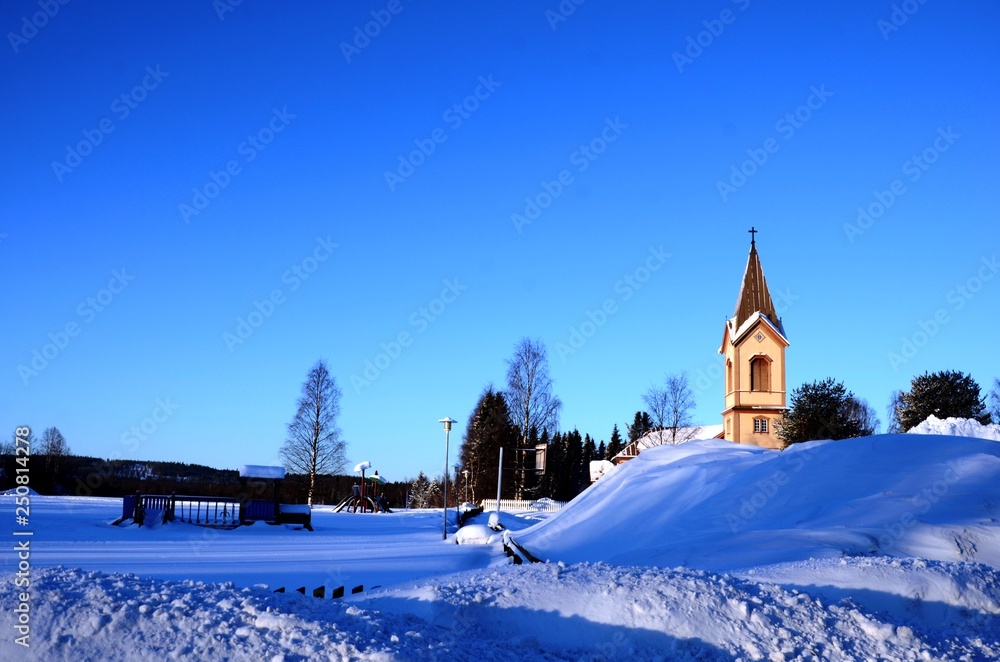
pixel 957 427
pixel 720 506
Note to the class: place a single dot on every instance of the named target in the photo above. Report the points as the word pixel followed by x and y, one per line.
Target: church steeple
pixel 754 296
pixel 754 347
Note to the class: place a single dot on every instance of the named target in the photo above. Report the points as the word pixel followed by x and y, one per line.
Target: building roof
pixel 663 437
pixel 259 471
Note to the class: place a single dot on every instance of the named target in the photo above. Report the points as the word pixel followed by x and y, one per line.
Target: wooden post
pixel 362 489
pixel 499 478
pixel 277 499
pixel 140 511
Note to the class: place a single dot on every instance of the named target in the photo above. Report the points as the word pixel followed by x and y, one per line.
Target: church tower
pixel 754 346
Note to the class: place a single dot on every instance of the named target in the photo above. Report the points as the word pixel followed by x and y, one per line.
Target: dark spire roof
pixel 754 295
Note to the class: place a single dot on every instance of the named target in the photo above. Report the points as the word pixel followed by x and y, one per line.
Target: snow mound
pixel 721 506
pixel 474 534
pixel 957 427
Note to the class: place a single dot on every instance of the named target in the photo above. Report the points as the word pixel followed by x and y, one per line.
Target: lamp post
pixel 447 430
pixel 465 472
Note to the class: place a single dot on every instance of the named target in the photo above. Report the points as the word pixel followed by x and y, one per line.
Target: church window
pixel 760 374
pixel 760 425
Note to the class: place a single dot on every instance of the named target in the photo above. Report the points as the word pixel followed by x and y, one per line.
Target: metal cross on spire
pixel 753 235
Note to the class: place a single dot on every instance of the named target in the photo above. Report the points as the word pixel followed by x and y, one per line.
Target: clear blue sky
pixel 117 116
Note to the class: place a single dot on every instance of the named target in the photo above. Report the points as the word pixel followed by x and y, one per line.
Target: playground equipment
pixel 223 512
pixel 368 500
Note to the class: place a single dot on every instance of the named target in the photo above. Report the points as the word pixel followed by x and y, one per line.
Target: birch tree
pixel 314 445
pixel 671 406
pixel 530 399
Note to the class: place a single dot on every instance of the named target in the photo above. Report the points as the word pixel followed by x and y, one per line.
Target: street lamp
pixel 465 473
pixel 447 430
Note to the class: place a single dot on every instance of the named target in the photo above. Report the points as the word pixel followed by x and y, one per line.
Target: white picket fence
pixel 522 505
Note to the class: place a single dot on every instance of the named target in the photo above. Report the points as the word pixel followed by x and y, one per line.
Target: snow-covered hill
pixel 720 506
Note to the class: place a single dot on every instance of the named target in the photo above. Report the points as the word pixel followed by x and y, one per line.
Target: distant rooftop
pixel 261 471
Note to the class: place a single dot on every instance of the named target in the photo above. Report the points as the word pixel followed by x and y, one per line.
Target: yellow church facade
pixel 753 344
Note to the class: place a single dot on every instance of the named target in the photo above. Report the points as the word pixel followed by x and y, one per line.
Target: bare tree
pixel 529 389
pixel 995 401
pixel 54 448
pixel 859 410
pixel 529 397
pixel 314 445
pixel 892 413
pixel 671 406
pixel 7 447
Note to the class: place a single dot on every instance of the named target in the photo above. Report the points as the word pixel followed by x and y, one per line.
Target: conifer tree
pixel 943 394
pixel 553 467
pixel 574 464
pixel 488 430
pixel 589 455
pixel 642 424
pixel 823 410
pixel 616 444
pixel 423 492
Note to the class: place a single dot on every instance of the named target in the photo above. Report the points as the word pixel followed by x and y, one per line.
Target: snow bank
pixel 597 611
pixel 957 427
pixel 721 506
pixel 539 612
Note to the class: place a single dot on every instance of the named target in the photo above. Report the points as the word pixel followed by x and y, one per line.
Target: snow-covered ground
pixel 885 547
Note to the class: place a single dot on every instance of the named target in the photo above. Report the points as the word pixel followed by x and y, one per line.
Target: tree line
pixel 523 419
pixel 825 409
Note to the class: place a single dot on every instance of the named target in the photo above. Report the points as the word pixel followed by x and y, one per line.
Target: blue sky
pixel 467 176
